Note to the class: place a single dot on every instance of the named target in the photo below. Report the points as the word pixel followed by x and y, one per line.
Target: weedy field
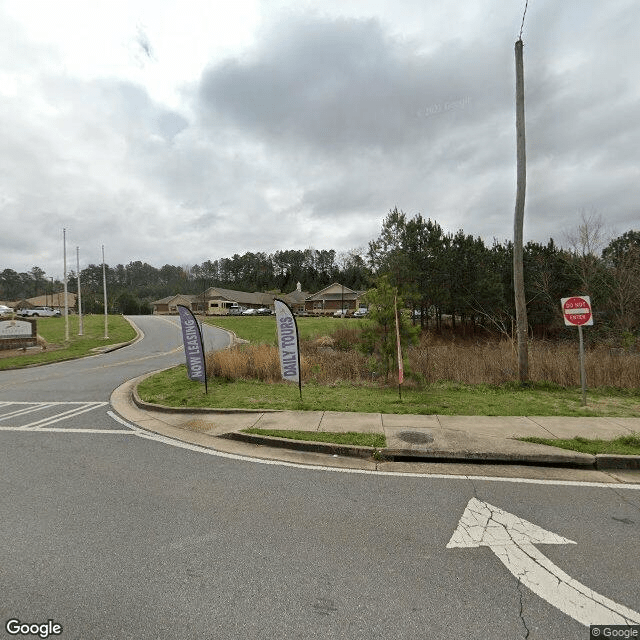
pixel 443 374
pixel 330 354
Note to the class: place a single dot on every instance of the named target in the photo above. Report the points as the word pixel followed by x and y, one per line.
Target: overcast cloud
pixel 175 135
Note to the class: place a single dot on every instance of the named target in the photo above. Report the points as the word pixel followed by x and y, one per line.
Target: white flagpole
pixel 80 327
pixel 66 304
pixel 104 288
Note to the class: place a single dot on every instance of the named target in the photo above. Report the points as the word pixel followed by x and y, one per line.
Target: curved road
pixel 112 535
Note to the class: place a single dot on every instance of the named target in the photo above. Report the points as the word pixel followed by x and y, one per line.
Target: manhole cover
pixel 415 437
pixel 198 425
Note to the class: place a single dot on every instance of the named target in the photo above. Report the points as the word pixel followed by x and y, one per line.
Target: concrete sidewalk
pixel 410 439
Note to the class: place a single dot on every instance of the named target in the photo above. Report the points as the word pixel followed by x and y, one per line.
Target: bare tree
pixel 591 235
pixel 586 244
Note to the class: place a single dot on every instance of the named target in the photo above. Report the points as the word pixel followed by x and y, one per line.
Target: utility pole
pixel 518 263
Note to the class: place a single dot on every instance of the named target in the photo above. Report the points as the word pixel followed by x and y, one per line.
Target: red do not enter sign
pixel 577 311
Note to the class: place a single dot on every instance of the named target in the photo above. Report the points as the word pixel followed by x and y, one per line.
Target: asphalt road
pixel 114 535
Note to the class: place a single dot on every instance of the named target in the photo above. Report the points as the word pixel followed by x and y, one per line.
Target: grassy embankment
pixel 447 378
pixel 56 349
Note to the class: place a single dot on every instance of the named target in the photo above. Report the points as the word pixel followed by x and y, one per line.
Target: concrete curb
pixel 120 345
pixel 563 459
pixel 328 448
pixel 606 461
pixel 578 461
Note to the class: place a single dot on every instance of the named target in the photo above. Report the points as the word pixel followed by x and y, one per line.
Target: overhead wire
pixel 523 15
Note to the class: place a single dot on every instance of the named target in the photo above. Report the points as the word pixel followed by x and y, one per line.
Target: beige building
pixel 53 300
pixel 218 301
pixel 333 298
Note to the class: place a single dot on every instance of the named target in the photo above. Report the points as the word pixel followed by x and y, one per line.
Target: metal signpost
pixel 577 313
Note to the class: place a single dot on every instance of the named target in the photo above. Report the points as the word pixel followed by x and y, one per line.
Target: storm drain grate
pixel 415 437
pixel 198 425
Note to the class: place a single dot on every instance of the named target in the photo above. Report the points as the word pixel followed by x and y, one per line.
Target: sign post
pixel 577 313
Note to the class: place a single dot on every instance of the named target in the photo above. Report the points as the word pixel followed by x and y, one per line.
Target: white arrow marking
pixel 512 539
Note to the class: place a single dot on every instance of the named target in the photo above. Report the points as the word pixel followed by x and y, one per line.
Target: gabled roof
pixel 333 290
pixel 241 297
pixel 48 300
pixel 255 299
pixel 296 296
pixel 182 296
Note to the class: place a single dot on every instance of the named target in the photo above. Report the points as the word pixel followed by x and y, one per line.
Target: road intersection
pixel 115 532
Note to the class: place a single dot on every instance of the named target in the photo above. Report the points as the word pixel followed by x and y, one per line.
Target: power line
pixel 523 15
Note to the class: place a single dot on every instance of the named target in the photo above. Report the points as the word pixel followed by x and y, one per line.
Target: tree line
pixel 452 277
pixel 458 276
pixel 133 287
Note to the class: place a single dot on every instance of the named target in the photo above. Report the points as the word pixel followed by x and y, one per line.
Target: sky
pixel 178 132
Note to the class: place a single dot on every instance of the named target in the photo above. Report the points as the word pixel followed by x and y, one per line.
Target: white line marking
pixel 307 467
pixel 125 432
pixel 20 412
pixel 73 414
pixel 148 435
pixel 65 415
pixel 512 539
pixel 134 428
pixel 55 402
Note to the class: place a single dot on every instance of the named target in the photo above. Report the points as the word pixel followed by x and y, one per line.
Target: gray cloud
pixel 311 135
pixel 346 86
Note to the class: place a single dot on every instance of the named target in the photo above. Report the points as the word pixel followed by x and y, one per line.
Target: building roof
pixel 297 296
pixel 241 297
pixel 48 300
pixel 183 296
pixel 245 298
pixel 335 291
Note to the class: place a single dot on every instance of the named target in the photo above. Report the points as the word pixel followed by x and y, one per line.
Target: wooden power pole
pixel 518 266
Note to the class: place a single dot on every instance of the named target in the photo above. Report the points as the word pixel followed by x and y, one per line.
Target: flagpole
pixel 104 288
pixel 66 305
pixel 80 327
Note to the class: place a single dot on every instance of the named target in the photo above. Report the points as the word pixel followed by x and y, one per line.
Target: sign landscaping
pixel 18 334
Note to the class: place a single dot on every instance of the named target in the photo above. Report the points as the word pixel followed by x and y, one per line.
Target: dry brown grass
pixel 495 362
pixel 326 360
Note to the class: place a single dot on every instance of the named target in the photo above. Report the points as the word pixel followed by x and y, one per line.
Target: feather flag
pixel 193 346
pixel 288 344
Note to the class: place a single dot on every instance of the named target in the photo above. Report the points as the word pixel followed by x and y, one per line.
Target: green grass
pixel 262 329
pixel 624 445
pixel 53 331
pixel 172 388
pixel 376 440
